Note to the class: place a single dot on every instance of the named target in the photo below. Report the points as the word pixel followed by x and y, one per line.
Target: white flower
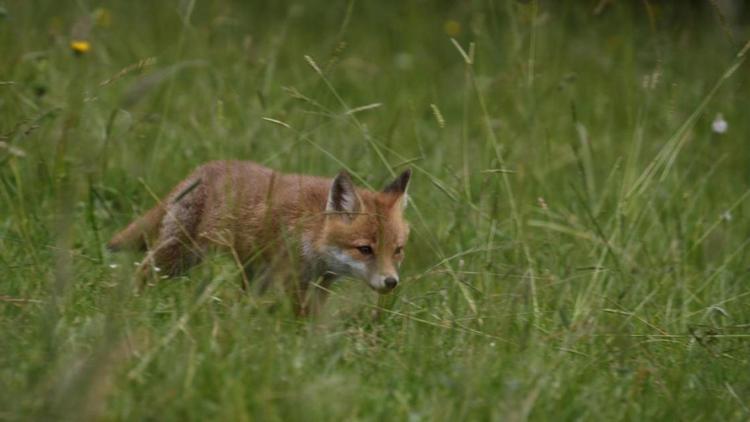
pixel 650 81
pixel 719 125
pixel 113 266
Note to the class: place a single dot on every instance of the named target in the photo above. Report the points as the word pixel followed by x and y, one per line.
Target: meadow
pixel 580 208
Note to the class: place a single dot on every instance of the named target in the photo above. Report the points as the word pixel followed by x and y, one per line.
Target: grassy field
pixel 579 238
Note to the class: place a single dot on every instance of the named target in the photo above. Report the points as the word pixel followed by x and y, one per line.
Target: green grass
pixel 579 234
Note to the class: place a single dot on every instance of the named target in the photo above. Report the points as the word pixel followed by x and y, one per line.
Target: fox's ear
pixel 342 198
pixel 399 186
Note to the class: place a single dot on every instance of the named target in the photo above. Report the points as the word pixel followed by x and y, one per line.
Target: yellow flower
pixel 452 28
pixel 80 47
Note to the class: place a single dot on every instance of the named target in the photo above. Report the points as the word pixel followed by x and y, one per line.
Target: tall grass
pixel 579 238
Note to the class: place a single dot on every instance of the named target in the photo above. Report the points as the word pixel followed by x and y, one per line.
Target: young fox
pixel 304 230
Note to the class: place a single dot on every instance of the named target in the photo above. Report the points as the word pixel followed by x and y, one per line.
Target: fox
pixel 307 231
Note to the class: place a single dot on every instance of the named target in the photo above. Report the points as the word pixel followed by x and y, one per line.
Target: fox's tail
pixel 135 234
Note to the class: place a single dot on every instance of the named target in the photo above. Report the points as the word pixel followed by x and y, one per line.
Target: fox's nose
pixel 391 282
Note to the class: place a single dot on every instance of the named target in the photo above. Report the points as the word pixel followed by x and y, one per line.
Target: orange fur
pixel 296 227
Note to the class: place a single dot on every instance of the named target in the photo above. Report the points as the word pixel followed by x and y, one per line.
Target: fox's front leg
pixel 308 295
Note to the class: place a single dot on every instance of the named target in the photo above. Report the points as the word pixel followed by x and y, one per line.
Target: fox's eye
pixel 398 250
pixel 365 250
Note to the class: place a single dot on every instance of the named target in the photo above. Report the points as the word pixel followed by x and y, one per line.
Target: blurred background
pixel 579 207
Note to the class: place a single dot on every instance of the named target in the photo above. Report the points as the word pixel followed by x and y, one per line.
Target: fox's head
pixel 365 233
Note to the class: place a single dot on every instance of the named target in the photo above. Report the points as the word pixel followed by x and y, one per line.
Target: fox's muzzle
pixel 384 284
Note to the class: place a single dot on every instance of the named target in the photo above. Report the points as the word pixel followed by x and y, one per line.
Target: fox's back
pixel 254 203
pixel 247 185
